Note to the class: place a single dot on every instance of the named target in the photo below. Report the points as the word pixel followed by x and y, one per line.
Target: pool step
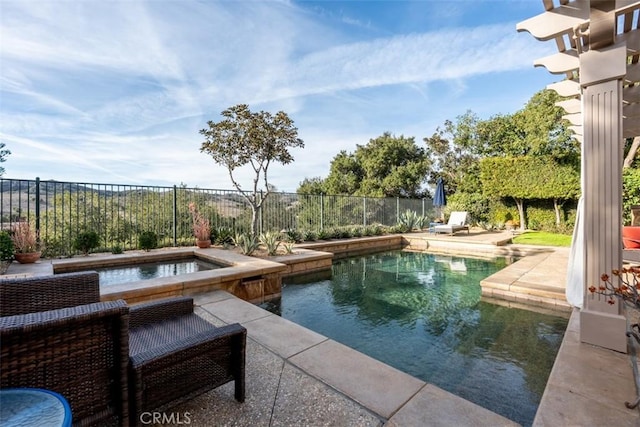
pixel 550 297
pixel 535 279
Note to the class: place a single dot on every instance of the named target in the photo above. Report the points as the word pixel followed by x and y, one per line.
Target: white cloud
pixel 119 89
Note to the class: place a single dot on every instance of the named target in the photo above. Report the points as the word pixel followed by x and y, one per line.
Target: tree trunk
pixel 520 205
pixel 556 208
pixel 632 152
pixel 254 220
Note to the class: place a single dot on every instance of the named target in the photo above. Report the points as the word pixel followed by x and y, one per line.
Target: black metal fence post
pixel 175 215
pixel 321 211
pixel 364 211
pixel 38 209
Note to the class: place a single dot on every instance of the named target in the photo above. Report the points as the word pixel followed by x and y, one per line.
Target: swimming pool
pixel 423 314
pixel 151 270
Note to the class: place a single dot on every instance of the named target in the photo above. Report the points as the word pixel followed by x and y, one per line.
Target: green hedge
pixel 502 210
pixel 476 205
pixel 540 213
pixel 630 193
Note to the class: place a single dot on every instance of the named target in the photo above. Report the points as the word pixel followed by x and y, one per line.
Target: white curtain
pixel 575 269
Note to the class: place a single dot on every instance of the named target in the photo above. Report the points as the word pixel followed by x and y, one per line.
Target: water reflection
pixel 153 270
pixel 423 314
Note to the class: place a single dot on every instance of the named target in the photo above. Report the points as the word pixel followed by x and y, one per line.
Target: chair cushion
pixel 155 335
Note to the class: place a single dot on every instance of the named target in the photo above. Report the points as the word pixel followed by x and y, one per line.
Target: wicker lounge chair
pixel 176 355
pixel 172 354
pixel 456 223
pixel 80 352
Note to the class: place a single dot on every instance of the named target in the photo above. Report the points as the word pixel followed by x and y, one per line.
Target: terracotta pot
pixel 27 258
pixel 203 243
pixel 631 237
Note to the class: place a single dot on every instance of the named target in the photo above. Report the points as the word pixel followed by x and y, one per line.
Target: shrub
pixel 148 240
pixel 6 247
pixel 374 230
pixel 117 250
pixel 86 241
pixel 339 233
pixel 344 232
pixel 309 236
pixel 500 212
pixel 476 205
pixel 541 218
pixel 630 192
pixel 323 235
pixel 293 236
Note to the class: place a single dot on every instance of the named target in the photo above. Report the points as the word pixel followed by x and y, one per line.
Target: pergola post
pixel 598 51
pixel 601 78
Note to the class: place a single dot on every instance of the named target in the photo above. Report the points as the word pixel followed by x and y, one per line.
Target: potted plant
pixel 7 251
pixel 201 227
pixel 626 289
pixel 25 242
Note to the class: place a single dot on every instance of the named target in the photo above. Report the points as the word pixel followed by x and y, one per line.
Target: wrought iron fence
pixel 119 213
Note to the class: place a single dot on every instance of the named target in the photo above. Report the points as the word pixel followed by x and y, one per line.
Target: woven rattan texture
pixel 42 293
pixel 80 352
pixel 182 356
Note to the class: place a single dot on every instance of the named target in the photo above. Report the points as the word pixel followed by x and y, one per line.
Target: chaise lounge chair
pixel 456 223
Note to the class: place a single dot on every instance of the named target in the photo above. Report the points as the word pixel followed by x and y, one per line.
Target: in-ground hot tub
pixel 249 278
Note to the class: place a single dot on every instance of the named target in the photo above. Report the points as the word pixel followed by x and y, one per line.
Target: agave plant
pixel 309 236
pixel 271 241
pixel 288 247
pixel 293 236
pixel 246 243
pixel 323 235
pixel 410 220
pixel 222 236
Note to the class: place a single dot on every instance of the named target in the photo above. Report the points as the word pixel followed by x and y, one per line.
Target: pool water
pixel 423 314
pixel 151 270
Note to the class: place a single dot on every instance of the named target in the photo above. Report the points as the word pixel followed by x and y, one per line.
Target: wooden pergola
pixel 598 45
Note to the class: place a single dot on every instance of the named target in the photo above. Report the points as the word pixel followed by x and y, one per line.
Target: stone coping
pixel 235 267
pixel 391 395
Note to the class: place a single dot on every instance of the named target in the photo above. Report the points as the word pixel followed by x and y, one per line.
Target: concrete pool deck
pixel 298 377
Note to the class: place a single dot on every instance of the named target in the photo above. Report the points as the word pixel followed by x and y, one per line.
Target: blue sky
pixel 117 91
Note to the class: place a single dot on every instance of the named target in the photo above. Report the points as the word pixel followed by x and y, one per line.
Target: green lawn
pixel 542 238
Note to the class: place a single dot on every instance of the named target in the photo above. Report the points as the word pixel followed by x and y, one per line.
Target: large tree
pixel 388 166
pixel 243 138
pixel 3 156
pixel 313 185
pixel 455 153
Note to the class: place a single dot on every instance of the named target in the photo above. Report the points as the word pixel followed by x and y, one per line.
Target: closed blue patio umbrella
pixel 439 198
